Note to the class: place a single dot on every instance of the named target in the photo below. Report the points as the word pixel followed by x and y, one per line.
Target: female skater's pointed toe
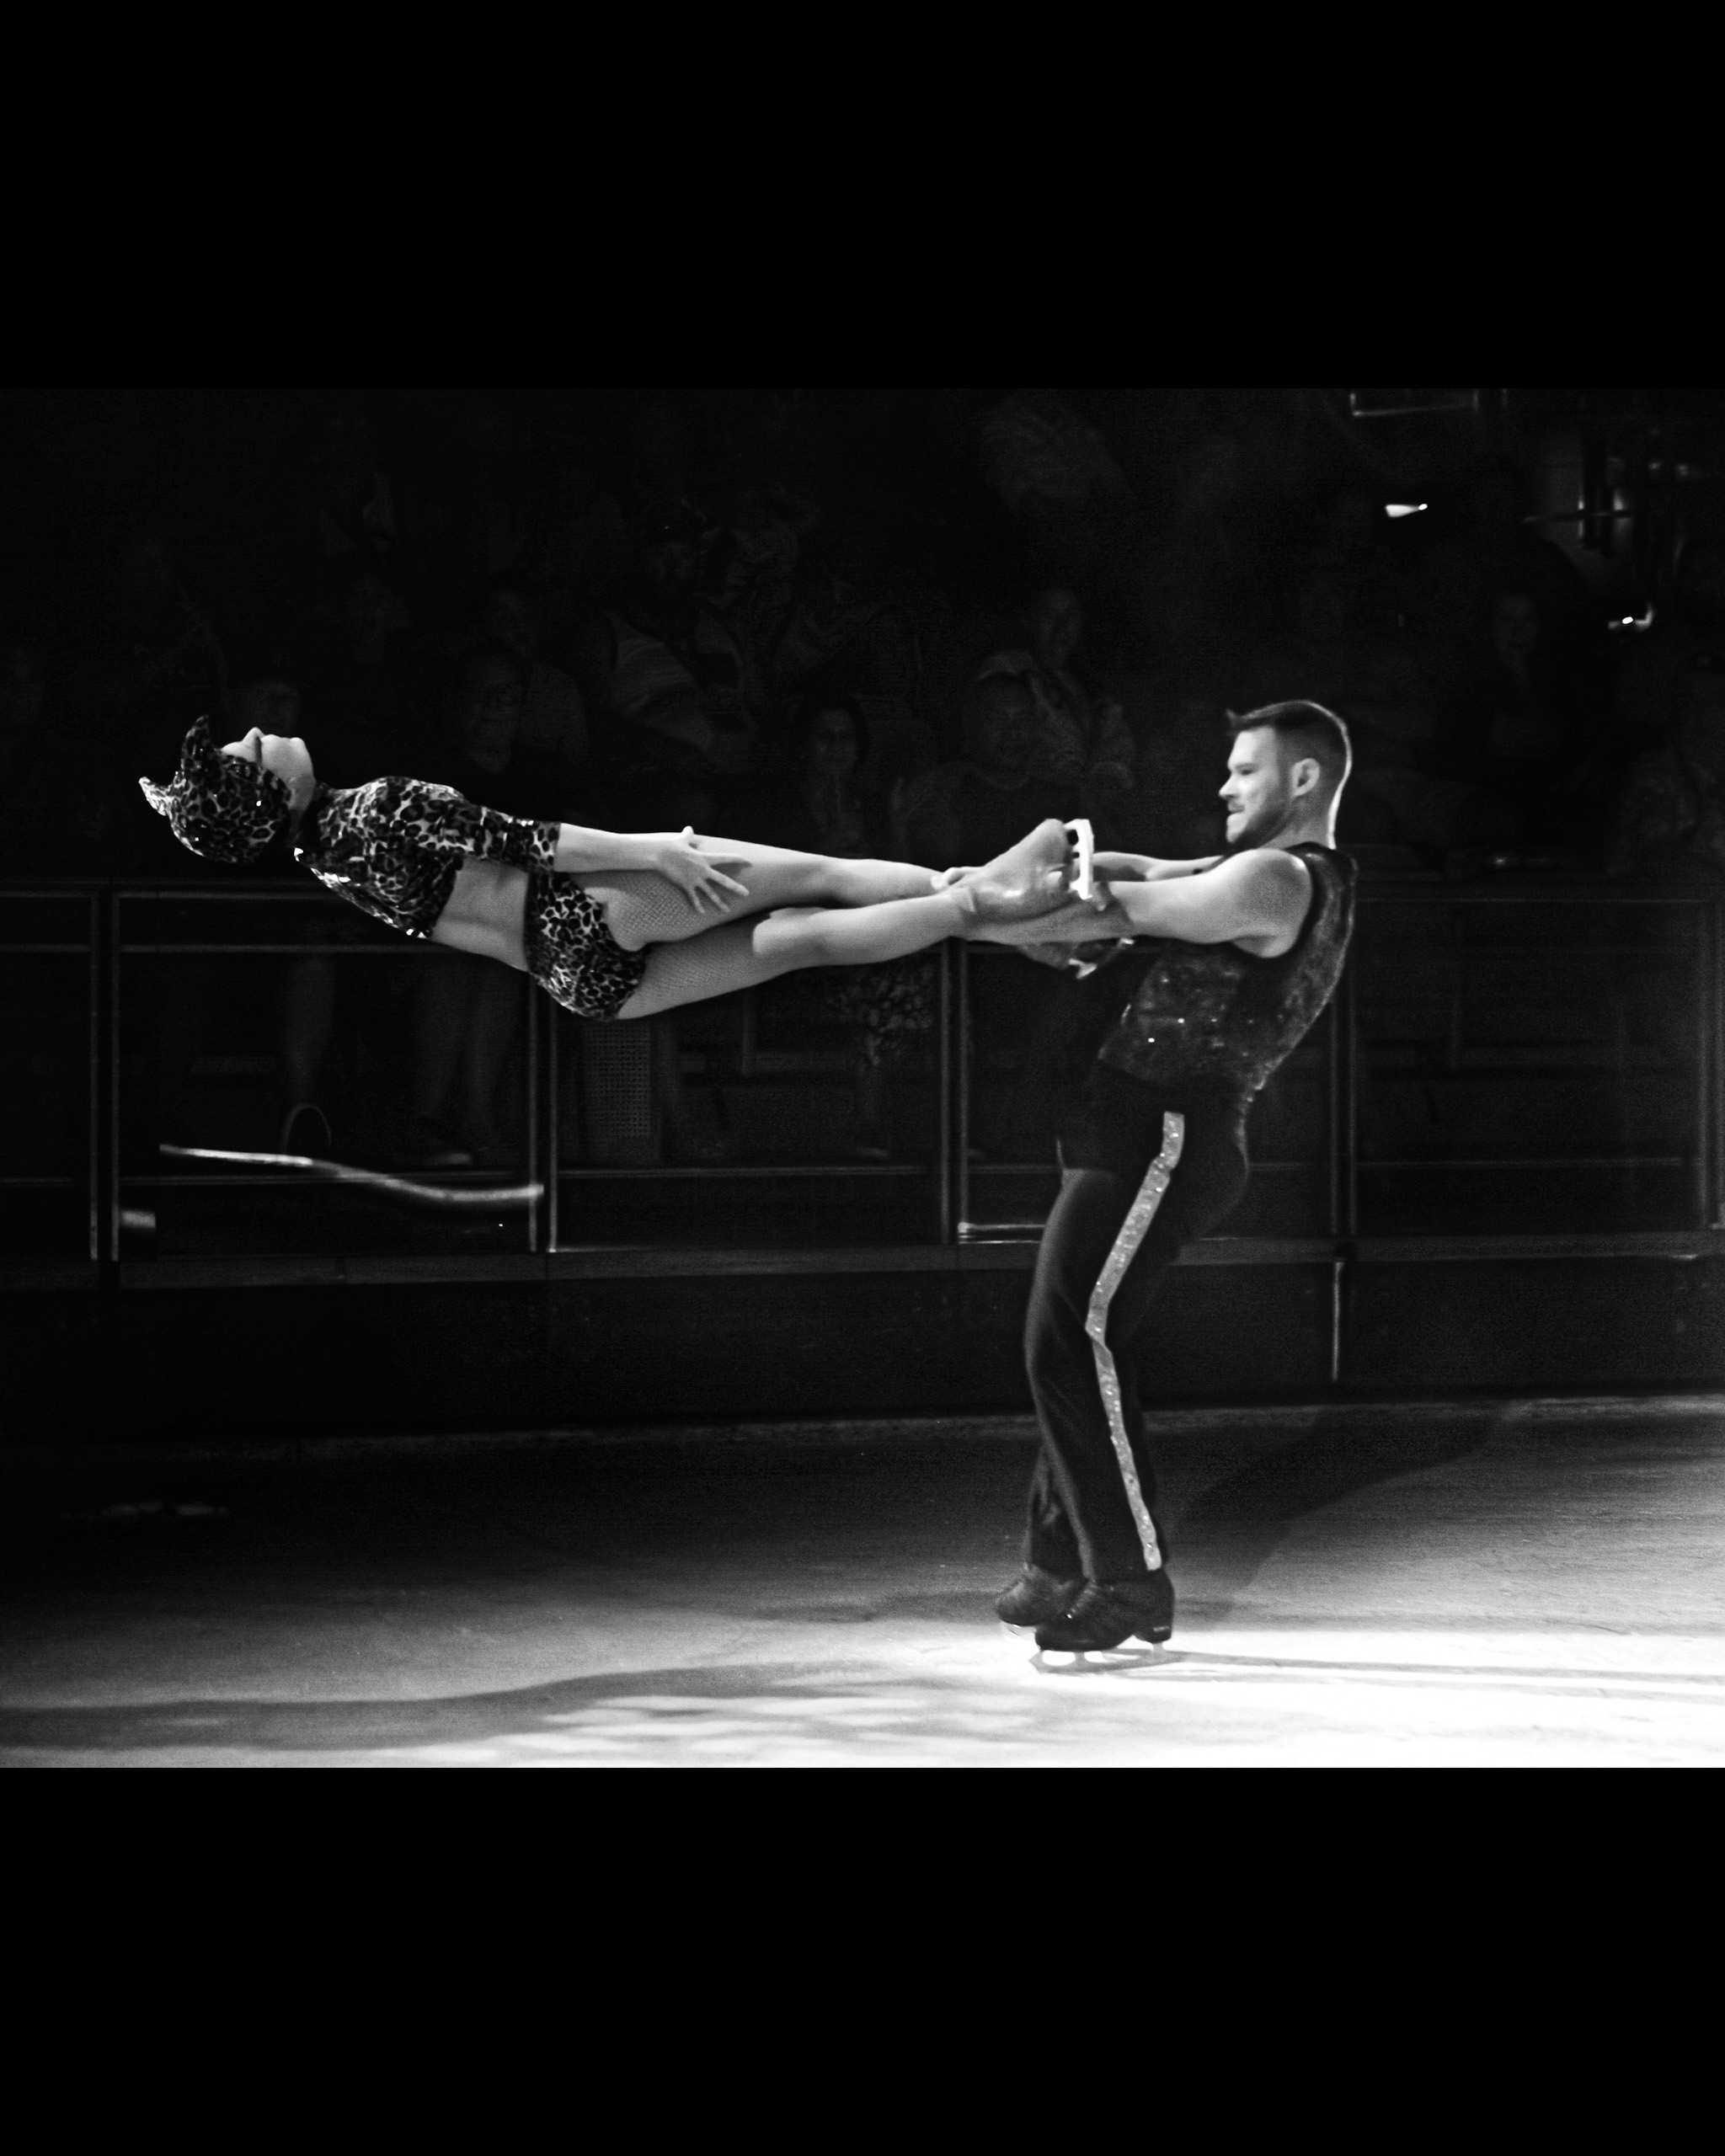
pixel 1029 878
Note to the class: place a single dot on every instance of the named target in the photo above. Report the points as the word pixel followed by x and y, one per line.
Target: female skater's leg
pixel 1072 923
pixel 746 952
pixel 641 908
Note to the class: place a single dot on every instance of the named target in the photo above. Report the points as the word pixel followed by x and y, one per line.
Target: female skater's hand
pixel 700 876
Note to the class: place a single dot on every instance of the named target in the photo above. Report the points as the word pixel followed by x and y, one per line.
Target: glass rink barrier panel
pixel 1029 1039
pixel 50 1130
pixel 249 1069
pixel 1535 1058
pixel 290 1078
pixel 810 1111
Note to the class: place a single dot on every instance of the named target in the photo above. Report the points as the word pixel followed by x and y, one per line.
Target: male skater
pixel 1250 946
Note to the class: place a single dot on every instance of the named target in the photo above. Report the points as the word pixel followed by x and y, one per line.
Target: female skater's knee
pixel 795 936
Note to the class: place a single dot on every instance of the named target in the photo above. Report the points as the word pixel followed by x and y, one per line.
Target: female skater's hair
pixel 224 808
pixel 1304 729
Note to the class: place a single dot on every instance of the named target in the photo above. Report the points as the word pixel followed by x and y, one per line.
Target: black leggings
pixel 1111 1237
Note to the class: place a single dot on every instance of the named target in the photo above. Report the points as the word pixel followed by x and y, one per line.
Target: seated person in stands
pixel 268 700
pixel 1671 824
pixel 368 682
pixel 68 818
pixel 822 805
pixel 553 718
pixel 673 694
pixel 1520 729
pixel 959 810
pixel 468 1014
pixel 483 750
pixel 1080 739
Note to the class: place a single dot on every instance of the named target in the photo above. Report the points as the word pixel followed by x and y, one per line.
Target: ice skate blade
pixel 1133 1655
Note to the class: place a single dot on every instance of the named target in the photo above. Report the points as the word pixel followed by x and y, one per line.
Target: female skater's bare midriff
pixel 487 912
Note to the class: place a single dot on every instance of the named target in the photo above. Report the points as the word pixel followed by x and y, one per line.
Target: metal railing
pixel 1503 1059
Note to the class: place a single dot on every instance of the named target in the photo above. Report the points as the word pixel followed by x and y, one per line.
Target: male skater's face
pixel 1257 794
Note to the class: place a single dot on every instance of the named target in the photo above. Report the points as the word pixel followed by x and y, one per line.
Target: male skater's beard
pixel 1260 829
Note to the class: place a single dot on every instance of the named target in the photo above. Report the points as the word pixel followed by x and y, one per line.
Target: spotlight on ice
pixel 1402 508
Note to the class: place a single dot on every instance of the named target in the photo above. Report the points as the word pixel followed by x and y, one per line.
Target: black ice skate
pixel 1109 1612
pixel 1037 1597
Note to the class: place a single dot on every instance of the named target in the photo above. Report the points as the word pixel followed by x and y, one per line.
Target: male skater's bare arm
pixel 1145 868
pixel 1256 899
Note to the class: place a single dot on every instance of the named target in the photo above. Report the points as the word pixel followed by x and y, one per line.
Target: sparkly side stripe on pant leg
pixel 1133 1229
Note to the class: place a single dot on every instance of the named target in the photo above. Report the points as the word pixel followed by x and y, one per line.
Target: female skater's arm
pixel 675 855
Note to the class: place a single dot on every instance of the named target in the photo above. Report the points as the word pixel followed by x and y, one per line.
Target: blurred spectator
pixel 1522 729
pixel 1055 474
pixel 468 1011
pixel 1181 741
pixel 1486 540
pixel 821 807
pixel 753 577
pixel 369 693
pixel 150 664
pixel 1081 739
pixel 1375 682
pixel 583 552
pixel 310 985
pixel 62 791
pixel 499 474
pixel 553 718
pixel 964 813
pixel 480 751
pixel 356 505
pixel 1512 553
pixel 1672 821
pixel 671 685
pixel 822 804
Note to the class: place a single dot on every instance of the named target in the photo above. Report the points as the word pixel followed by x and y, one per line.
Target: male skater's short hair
pixel 1304 729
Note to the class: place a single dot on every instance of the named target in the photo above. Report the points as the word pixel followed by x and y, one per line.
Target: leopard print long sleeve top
pixel 394 846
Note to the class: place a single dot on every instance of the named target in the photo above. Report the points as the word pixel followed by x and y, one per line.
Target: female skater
pixel 612 925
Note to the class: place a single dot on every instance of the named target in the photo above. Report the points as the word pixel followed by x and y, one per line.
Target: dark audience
pixel 823 805
pixel 669 683
pixel 467 1012
pixel 965 812
pixel 594 611
pixel 553 718
pixel 1080 739
pixel 963 815
pixel 1671 824
pixel 369 694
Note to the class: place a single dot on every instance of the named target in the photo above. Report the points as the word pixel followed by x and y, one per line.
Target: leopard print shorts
pixel 571 953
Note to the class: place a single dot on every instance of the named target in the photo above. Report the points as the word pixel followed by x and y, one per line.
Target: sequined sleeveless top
pixel 1208 1017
